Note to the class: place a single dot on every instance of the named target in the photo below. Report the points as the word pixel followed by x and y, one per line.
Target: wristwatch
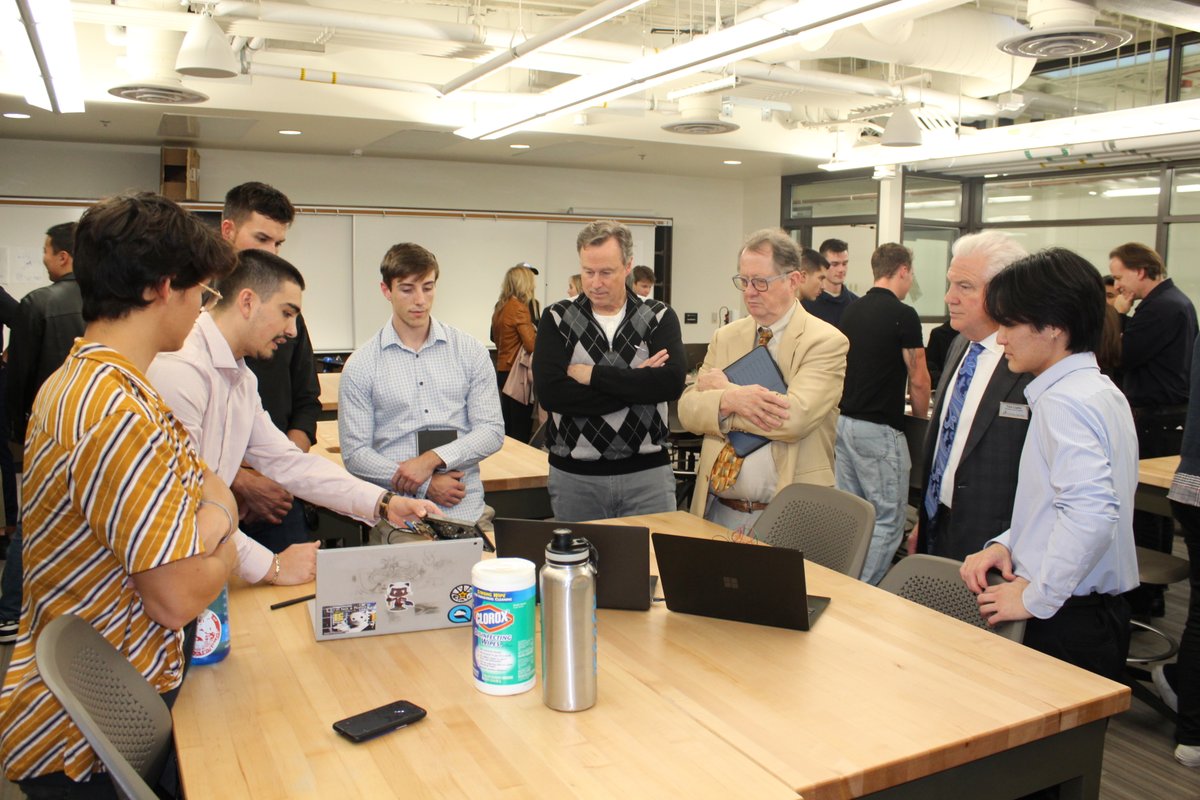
pixel 383 504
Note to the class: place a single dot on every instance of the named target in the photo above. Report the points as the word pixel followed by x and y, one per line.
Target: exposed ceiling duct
pixel 700 115
pixel 150 55
pixel 1064 29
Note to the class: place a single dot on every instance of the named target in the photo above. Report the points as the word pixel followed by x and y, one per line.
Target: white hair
pixel 997 249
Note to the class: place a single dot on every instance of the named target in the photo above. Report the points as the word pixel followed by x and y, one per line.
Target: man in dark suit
pixel 973 443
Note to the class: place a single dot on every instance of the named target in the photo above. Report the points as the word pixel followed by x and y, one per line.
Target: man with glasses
pixel 606 365
pixel 215 395
pixel 800 425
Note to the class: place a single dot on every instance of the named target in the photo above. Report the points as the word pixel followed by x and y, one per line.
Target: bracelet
pixel 273 577
pixel 228 516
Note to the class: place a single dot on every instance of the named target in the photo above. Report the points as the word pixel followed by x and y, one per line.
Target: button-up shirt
pixel 389 392
pixel 216 397
pixel 1072 522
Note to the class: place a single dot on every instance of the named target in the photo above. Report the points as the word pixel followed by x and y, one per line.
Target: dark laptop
pixel 739 582
pixel 623 569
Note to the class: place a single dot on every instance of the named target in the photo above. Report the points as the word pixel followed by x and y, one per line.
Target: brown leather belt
pixel 744 506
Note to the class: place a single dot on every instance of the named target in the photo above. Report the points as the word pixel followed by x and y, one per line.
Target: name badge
pixel 1014 411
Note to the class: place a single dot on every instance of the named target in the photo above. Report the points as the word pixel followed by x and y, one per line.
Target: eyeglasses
pixel 209 296
pixel 759 284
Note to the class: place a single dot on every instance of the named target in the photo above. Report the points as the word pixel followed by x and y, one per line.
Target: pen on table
pixel 293 601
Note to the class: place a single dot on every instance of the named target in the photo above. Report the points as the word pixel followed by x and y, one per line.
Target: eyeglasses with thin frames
pixel 759 284
pixel 209 296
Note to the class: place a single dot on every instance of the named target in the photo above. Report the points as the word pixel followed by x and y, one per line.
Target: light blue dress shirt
pixel 1072 522
pixel 390 391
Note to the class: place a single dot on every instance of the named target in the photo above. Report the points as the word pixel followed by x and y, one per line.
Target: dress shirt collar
pixel 780 325
pixel 389 337
pixel 216 343
pixel 991 345
pixel 1072 363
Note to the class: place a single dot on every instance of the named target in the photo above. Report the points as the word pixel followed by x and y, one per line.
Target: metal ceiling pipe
pixel 342 79
pixel 351 20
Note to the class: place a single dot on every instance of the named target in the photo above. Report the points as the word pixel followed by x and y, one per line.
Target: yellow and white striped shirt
pixel 112 487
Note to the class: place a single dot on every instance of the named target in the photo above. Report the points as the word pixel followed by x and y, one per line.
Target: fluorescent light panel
pixel 57 83
pixel 746 39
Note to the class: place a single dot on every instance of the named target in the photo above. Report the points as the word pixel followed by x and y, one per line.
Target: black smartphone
pixel 370 724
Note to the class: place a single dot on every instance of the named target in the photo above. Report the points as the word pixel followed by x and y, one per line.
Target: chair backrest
pixel 831 527
pixel 935 583
pixel 119 712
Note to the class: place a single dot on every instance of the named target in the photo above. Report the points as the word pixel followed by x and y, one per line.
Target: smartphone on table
pixel 369 724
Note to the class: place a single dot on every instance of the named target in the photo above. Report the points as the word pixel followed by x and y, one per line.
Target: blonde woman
pixel 574 286
pixel 514 326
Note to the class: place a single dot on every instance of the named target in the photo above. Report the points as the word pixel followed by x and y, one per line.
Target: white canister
pixel 503 620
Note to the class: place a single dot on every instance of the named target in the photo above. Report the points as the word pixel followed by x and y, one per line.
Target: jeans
pixel 1187 667
pixel 872 462
pixel 578 498
pixel 10 580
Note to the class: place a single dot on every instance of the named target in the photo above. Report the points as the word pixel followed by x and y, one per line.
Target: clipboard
pixel 430 438
pixel 756 367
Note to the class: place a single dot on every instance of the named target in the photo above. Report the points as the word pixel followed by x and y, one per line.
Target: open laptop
pixel 623 570
pixel 740 582
pixel 394 588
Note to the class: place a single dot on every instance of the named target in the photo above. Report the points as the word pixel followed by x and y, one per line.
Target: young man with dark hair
pixel 1156 359
pixel 886 356
pixel 834 298
pixel 215 396
pixel 48 320
pixel 605 366
pixel 813 268
pixel 642 282
pixel 1069 554
pixel 419 374
pixel 116 496
pixel 257 216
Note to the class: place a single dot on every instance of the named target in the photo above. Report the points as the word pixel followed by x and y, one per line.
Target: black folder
pixel 756 367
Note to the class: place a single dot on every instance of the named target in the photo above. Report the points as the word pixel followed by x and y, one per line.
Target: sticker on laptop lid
pixel 399 596
pixel 349 618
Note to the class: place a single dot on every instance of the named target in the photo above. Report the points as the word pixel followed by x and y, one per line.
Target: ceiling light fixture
pixel 902 130
pixel 519 146
pixel 564 30
pixel 732 163
pixel 1008 198
pixel 290 133
pixel 727 82
pixel 19 115
pixel 40 48
pixel 205 52
pixel 711 51
pixel 1132 191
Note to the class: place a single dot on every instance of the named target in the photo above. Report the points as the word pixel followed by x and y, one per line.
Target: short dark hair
pixel 261 271
pixel 888 258
pixel 132 242
pixel 1135 256
pixel 785 253
pixel 407 260
pixel 243 200
pixel 1109 280
pixel 834 246
pixel 642 273
pixel 1051 287
pixel 62 237
pixel 812 261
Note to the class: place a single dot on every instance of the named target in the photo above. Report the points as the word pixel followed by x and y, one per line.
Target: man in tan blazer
pixel 800 425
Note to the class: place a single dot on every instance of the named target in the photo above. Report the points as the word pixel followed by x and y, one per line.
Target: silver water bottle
pixel 567 586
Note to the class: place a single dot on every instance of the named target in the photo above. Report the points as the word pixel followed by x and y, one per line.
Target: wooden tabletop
pixel 330 382
pixel 1158 472
pixel 880 692
pixel 515 466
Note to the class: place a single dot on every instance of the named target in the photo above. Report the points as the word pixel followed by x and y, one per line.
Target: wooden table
pixel 1154 479
pixel 882 698
pixel 514 478
pixel 330 383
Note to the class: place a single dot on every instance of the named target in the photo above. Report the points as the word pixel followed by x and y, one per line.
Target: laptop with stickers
pixel 739 582
pixel 623 567
pixel 394 588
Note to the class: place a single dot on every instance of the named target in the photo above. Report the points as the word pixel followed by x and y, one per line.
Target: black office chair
pixel 120 714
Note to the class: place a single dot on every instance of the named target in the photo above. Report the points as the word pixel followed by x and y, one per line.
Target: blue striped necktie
pixel 946 438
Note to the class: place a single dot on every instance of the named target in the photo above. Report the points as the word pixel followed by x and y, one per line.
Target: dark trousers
pixel 279 537
pixel 1187 668
pixel 518 417
pixel 1090 632
pixel 10 579
pixel 8 467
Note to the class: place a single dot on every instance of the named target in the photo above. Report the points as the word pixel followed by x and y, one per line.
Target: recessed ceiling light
pixel 732 163
pixel 290 133
pixel 519 146
pixel 15 115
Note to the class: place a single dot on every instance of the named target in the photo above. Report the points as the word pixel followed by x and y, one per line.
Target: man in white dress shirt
pixel 215 395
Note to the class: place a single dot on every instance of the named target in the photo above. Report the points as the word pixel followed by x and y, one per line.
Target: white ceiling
pixel 948 64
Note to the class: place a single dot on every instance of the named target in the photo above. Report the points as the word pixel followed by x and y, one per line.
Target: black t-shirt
pixel 879 326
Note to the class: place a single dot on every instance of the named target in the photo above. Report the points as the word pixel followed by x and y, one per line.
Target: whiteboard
pixel 22 235
pixel 319 245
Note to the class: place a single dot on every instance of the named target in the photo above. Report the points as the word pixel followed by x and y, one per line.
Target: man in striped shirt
pixel 124 525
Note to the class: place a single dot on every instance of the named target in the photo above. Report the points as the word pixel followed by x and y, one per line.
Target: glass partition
pixel 824 199
pixel 1129 194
